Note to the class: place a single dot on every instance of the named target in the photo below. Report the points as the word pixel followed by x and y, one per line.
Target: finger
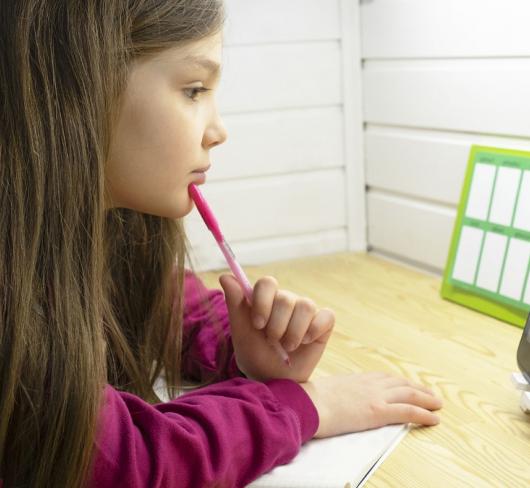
pixel 262 300
pixel 282 310
pixel 402 413
pixel 234 295
pixel 321 326
pixel 423 388
pixel 392 381
pixel 408 394
pixel 303 313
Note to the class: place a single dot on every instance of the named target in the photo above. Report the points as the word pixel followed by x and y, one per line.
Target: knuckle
pixel 283 298
pixel 291 341
pixel 413 395
pixel 270 280
pixel 265 283
pixel 274 334
pixel 327 315
pixel 409 411
pixel 306 305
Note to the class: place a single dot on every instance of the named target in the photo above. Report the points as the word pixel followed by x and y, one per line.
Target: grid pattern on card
pixel 490 251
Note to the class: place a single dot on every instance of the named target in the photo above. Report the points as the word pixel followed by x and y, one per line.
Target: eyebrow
pixel 210 65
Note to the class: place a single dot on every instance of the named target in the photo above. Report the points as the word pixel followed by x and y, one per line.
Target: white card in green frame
pixel 489 259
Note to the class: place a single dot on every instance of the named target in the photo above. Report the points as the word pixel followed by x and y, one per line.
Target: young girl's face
pixel 166 129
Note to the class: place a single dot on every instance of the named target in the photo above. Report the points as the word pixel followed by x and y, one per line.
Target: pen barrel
pixel 236 269
pixel 247 288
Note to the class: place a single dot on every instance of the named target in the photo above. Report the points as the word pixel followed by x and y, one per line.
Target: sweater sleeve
pixel 205 325
pixel 223 435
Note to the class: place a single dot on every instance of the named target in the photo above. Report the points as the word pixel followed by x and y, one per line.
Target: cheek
pixel 150 160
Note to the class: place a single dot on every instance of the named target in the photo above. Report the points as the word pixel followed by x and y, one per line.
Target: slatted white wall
pixel 438 76
pixel 282 183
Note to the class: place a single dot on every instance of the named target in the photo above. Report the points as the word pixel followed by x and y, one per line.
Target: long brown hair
pixel 86 292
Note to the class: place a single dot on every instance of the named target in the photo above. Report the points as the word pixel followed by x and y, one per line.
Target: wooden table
pixel 392 318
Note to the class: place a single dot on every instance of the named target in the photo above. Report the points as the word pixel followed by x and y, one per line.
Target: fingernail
pixel 259 322
pixel 306 339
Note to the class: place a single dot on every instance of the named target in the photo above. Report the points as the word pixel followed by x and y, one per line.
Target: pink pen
pixel 211 222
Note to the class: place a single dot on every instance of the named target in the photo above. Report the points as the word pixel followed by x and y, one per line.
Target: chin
pixel 171 208
pixel 179 209
pixel 168 212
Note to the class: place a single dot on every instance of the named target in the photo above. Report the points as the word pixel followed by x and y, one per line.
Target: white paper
pixel 490 266
pixel 397 440
pixel 515 269
pixel 503 203
pixel 522 213
pixel 480 191
pixel 467 254
pixel 336 461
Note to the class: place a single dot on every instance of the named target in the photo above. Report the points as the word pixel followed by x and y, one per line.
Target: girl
pixel 107 110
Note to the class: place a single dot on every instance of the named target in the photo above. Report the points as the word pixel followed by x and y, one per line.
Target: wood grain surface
pixel 391 318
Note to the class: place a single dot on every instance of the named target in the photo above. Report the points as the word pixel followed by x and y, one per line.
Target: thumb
pixel 234 295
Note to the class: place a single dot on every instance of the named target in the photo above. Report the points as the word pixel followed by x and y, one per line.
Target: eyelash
pixel 196 90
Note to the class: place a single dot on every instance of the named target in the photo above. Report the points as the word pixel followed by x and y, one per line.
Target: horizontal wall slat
pixel 488 96
pixel 278 142
pixel 445 28
pixel 411 229
pixel 280 76
pixel 426 164
pixel 273 206
pixel 256 252
pixel 253 21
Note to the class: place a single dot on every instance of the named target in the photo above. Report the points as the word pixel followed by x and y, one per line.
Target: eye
pixel 195 91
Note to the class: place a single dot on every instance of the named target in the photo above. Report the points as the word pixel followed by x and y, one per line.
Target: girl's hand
pixel 356 402
pixel 275 315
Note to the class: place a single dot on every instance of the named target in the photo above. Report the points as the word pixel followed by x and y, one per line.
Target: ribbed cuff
pixel 290 393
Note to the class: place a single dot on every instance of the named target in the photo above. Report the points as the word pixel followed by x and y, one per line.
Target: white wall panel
pixel 256 21
pixel 273 207
pixel 489 96
pixel 279 142
pixel 256 252
pixel 280 76
pixel 426 164
pixel 445 28
pixel 414 230
pixel 438 77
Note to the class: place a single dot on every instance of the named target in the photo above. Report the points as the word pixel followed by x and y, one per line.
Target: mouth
pixel 202 170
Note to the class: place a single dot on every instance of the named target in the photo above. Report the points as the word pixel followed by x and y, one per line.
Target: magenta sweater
pixel 223 435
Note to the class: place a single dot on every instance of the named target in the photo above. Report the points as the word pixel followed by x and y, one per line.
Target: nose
pixel 215 133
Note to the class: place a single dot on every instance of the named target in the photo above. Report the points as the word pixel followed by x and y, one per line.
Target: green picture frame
pixel 471 295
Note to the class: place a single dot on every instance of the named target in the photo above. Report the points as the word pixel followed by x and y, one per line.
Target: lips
pixel 202 170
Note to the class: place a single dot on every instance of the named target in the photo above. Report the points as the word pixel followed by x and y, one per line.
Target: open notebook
pixel 344 461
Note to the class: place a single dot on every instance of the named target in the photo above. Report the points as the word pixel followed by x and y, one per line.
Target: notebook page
pixel 395 442
pixel 334 462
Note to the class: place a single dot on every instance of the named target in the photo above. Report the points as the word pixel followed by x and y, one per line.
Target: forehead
pixel 212 66
pixel 204 54
pixel 188 62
